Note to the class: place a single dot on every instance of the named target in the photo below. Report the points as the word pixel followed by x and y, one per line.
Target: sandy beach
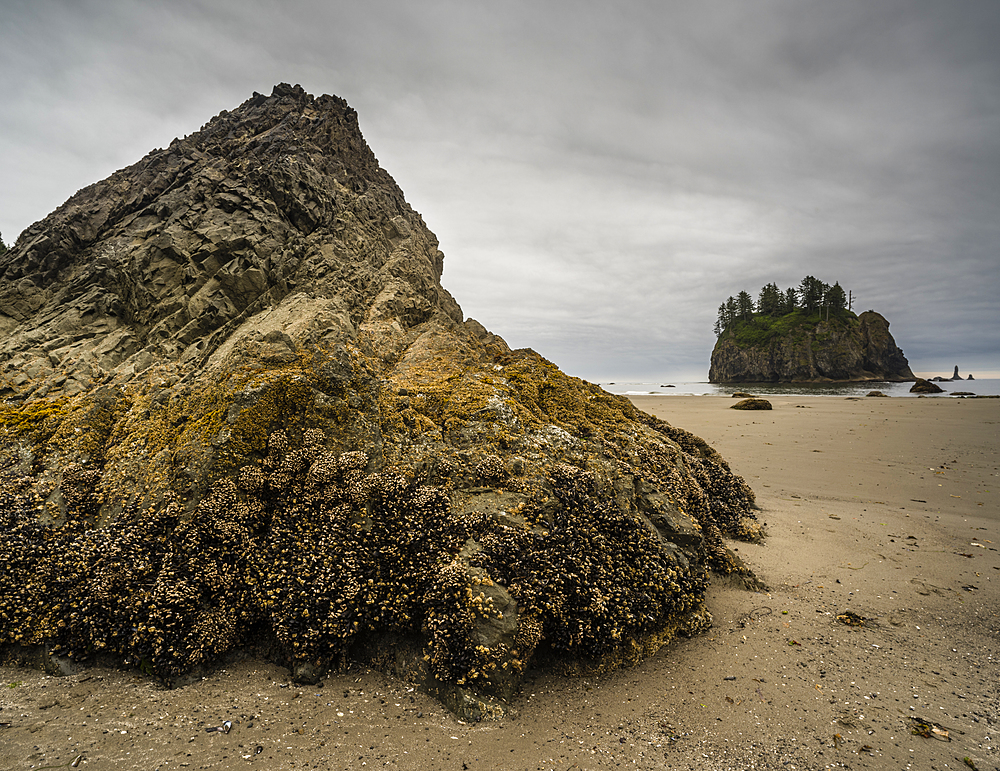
pixel 884 513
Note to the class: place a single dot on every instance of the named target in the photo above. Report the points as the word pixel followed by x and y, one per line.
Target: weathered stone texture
pixel 842 348
pixel 238 397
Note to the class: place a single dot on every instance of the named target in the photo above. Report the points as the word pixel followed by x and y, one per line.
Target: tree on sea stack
pixel 835 298
pixel 240 411
pixel 771 301
pixel 803 335
pixel 811 292
pixel 791 299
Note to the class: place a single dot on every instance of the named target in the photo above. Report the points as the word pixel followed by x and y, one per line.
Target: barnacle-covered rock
pixel 241 411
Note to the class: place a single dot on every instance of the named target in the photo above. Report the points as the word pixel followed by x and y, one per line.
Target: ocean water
pixel 985 387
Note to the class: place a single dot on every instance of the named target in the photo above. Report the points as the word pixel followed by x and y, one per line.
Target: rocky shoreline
pixel 865 518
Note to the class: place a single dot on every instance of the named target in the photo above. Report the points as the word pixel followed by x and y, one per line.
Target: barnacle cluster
pixel 540 519
pixel 596 578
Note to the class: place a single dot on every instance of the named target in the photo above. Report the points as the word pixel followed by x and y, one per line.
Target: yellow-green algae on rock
pixel 305 451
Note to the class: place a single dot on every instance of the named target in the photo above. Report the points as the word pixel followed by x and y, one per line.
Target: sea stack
pixel 241 411
pixel 806 348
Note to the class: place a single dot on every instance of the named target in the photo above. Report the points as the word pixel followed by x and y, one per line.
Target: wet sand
pixel 888 509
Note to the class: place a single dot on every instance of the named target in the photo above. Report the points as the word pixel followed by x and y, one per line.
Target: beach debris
pixel 928 729
pixel 751 404
pixel 793 642
pixel 225 728
pixel 968 761
pixel 754 615
pixel 74 763
pixel 850 618
pixel 837 740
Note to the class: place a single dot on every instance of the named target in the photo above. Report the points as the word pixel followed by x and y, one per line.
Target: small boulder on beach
pixel 752 404
pixel 925 387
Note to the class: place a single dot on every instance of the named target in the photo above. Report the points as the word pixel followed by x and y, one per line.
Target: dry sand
pixel 887 508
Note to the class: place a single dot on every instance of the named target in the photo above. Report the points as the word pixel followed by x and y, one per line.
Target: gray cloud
pixel 601 176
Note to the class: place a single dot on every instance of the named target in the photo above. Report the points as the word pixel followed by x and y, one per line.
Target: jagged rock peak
pixel 163 260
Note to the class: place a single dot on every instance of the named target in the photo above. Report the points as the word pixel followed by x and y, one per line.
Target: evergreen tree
pixel 744 306
pixel 791 299
pixel 811 293
pixel 3 246
pixel 731 312
pixel 770 301
pixel 835 298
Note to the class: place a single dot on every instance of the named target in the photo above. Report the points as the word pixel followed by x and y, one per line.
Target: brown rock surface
pixel 241 411
pixel 753 403
pixel 925 387
pixel 843 347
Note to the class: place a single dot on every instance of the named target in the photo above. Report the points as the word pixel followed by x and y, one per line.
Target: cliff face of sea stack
pixel 803 347
pixel 240 412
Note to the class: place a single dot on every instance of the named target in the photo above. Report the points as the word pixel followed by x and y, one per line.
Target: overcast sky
pixel 601 175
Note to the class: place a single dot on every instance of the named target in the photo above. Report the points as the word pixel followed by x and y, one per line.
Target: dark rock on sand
pixel 241 410
pixel 752 404
pixel 925 387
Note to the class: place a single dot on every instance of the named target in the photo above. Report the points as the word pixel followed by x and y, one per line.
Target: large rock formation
pixel 240 410
pixel 809 348
pixel 954 376
pixel 922 386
